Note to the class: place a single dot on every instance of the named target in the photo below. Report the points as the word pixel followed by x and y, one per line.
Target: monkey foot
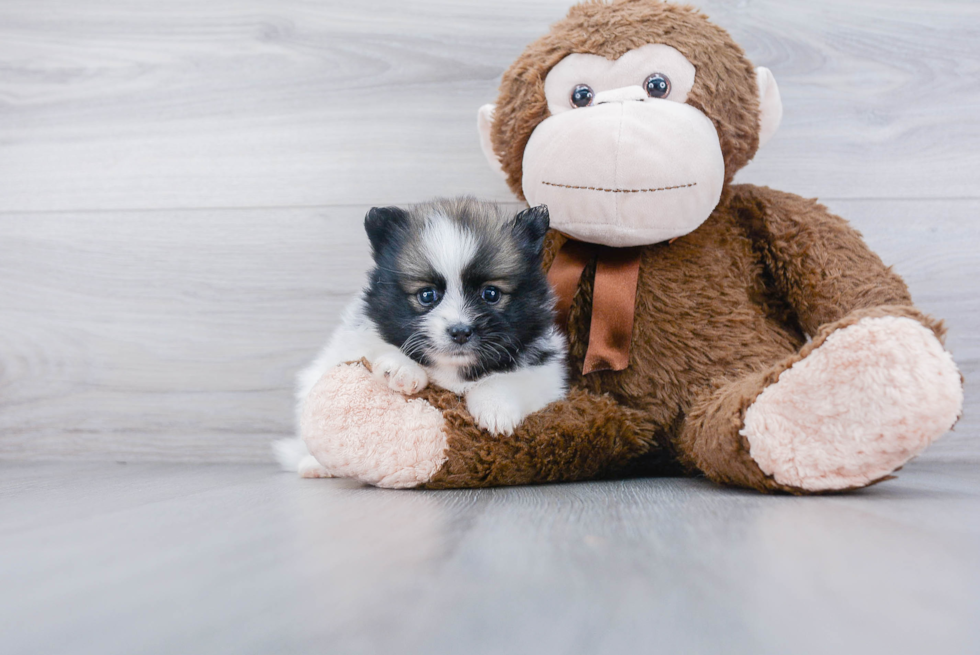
pixel 858 407
pixel 356 427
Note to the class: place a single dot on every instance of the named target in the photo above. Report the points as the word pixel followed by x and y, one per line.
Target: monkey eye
pixel 427 296
pixel 582 95
pixel 490 295
pixel 657 85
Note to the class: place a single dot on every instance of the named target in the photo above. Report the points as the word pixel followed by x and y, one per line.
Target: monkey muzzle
pixel 625 173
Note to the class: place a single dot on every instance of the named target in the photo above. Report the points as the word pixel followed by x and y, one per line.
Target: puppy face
pixel 459 283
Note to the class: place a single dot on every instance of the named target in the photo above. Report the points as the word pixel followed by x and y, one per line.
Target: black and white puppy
pixel 456 298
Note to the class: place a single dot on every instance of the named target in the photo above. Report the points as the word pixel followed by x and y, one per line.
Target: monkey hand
pixel 356 426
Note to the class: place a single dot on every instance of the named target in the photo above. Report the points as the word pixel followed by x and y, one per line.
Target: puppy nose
pixel 460 333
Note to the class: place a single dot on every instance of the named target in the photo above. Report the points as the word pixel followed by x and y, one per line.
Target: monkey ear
pixel 484 121
pixel 381 223
pixel 770 104
pixel 530 227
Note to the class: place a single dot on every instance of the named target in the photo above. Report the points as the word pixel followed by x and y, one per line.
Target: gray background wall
pixel 182 186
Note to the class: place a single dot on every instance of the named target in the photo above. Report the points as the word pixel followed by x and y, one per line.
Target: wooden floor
pixel 182 185
pixel 239 559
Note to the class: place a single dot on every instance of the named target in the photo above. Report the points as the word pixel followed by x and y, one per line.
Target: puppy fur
pixel 456 297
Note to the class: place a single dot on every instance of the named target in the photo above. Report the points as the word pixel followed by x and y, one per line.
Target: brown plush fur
pixel 584 436
pixel 720 313
pixel 710 441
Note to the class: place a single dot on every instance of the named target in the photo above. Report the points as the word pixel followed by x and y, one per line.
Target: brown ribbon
pixel 613 299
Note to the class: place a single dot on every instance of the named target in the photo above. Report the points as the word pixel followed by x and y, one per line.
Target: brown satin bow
pixel 613 299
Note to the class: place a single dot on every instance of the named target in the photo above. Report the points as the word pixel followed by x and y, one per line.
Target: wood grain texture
pixel 180 104
pixel 170 334
pixel 151 558
pixel 174 335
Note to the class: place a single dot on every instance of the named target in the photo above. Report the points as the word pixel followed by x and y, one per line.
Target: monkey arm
pixel 819 263
pixel 355 426
pixel 582 437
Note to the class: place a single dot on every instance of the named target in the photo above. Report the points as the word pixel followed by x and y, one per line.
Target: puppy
pixel 456 298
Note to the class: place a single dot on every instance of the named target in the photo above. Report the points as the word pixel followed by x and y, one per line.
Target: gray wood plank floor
pixel 163 558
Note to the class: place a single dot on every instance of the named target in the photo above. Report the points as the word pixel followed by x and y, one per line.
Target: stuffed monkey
pixel 730 330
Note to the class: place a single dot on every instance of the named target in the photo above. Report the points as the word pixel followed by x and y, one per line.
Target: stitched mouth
pixel 596 188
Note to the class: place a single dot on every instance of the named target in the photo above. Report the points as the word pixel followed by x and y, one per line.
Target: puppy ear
pixel 381 224
pixel 530 226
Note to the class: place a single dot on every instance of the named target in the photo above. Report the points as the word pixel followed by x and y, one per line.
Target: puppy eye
pixel 657 85
pixel 427 296
pixel 582 95
pixel 490 295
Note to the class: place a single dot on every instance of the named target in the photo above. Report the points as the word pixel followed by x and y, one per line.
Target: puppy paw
pixel 494 409
pixel 402 373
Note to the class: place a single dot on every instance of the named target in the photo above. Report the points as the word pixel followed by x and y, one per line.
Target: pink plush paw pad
pixel 356 427
pixel 862 404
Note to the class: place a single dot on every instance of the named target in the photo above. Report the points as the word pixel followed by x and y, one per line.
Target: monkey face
pixel 628 119
pixel 622 160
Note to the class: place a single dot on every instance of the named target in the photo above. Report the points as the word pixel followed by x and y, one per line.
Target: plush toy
pixel 730 330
